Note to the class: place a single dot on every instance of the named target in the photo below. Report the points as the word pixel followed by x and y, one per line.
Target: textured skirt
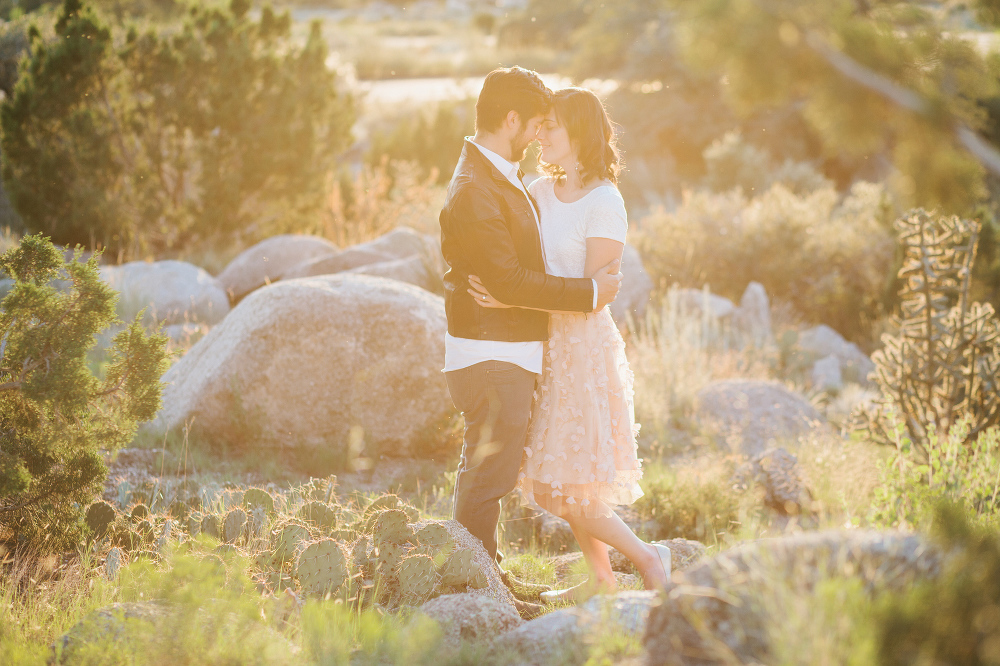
pixel 580 451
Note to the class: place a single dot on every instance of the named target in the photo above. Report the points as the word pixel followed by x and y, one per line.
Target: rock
pixel 750 416
pixel 172 292
pixel 268 260
pixel 826 374
pixel 329 264
pixel 697 300
pixel 752 318
pixel 636 288
pixel 822 341
pixel 110 624
pixel 401 243
pixel 495 589
pixel 302 362
pixel 412 270
pixel 715 607
pixel 556 534
pixel 471 617
pixel 777 473
pixel 563 636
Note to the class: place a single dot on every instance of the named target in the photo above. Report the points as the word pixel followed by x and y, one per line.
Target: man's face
pixel 524 136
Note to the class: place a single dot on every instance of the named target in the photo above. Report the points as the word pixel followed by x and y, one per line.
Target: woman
pixel 580 455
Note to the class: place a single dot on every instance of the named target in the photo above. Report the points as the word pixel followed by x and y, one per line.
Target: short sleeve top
pixel 566 227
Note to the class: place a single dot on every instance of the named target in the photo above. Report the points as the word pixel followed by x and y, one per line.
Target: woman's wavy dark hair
pixel 590 130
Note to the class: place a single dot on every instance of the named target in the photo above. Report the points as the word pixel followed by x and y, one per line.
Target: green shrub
pixel 141 142
pixel 965 473
pixel 55 415
pixel 732 162
pixel 831 259
pixel 954 619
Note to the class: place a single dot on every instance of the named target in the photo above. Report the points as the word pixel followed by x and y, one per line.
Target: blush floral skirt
pixel 581 451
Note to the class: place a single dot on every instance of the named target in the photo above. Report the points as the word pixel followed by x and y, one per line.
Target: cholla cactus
pixel 322 567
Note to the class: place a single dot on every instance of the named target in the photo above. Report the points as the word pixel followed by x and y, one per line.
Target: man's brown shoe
pixel 521 589
pixel 528 610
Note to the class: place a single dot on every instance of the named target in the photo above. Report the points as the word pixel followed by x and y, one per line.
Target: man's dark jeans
pixel 495 398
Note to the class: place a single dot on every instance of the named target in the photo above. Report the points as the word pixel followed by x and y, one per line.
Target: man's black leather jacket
pixel 487 229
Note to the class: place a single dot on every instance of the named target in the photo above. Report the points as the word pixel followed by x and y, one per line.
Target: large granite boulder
pixel 636 288
pixel 400 243
pixel 172 292
pixel 750 416
pixel 563 636
pixel 329 264
pixel 268 260
pixel 717 611
pixel 412 270
pixel 470 617
pixel 301 363
pixel 752 319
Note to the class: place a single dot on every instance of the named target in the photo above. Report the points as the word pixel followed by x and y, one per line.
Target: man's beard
pixel 519 146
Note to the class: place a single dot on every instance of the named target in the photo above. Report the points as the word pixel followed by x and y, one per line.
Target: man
pixel 490 228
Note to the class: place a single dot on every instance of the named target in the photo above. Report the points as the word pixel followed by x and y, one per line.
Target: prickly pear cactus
pixel 100 517
pixel 360 557
pixel 139 512
pixel 345 536
pixel 287 540
pixel 462 569
pixel 164 537
pixel 381 503
pixel 435 536
pixel 232 526
pixel 210 525
pixel 322 567
pixel 257 522
pixel 113 563
pixel 258 497
pixel 318 513
pixel 387 558
pixel 194 524
pixel 417 578
pixel 145 530
pixel 392 526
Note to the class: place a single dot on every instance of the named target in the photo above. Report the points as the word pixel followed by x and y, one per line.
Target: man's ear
pixel 513 120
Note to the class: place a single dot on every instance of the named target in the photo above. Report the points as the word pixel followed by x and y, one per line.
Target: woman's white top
pixel 566 227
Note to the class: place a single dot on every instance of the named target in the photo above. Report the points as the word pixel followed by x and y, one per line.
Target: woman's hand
pixel 481 295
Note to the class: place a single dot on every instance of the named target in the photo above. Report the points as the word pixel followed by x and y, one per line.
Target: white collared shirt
pixel 463 352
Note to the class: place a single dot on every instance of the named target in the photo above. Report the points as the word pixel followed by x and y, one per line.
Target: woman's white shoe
pixel 664 554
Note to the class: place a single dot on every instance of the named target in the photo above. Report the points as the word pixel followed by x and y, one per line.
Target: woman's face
pixel 555 143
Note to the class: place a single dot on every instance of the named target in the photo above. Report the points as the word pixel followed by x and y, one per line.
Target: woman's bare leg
pixel 612 531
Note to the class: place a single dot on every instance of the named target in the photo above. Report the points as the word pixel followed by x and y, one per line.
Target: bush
pixel 55 415
pixel 950 469
pixel 830 259
pixel 432 138
pixel 141 142
pixel 954 619
pixel 731 162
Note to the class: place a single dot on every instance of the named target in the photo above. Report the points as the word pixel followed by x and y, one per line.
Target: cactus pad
pixel 288 539
pixel 381 503
pixel 100 516
pixel 210 525
pixel 391 526
pixel 387 557
pixel 322 567
pixel 417 578
pixel 139 512
pixel 434 535
pixel 194 524
pixel 258 497
pixel 145 530
pixel 232 526
pixel 462 569
pixel 318 513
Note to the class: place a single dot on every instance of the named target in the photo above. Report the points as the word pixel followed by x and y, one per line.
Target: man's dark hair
pixel 511 89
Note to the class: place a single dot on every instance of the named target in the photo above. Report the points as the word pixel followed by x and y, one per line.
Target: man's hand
pixel 609 281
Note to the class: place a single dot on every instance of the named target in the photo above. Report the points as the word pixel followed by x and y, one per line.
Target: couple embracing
pixel 533 358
